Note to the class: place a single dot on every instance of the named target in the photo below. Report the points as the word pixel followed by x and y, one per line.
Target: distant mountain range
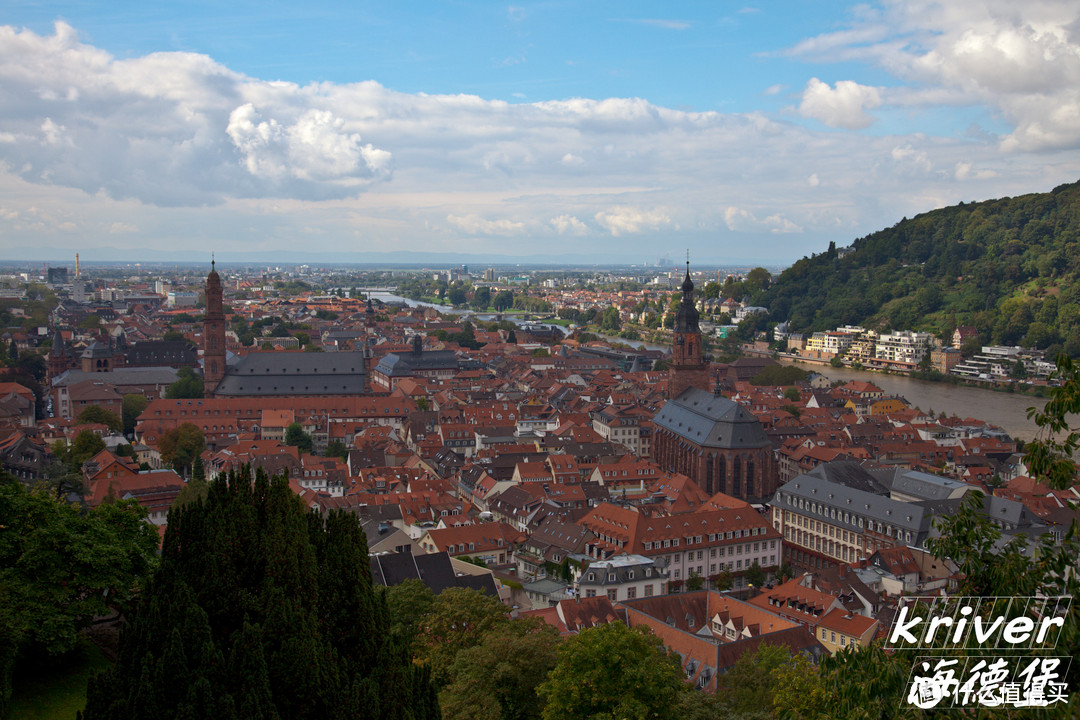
pixel 1008 267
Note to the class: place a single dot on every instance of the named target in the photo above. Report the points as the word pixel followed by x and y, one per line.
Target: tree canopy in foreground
pixel 261 609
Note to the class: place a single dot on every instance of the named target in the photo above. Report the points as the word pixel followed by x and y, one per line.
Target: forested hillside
pixel 1009 267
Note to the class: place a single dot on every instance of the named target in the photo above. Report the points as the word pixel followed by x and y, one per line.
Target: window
pixel 612 594
pixel 843 640
pixel 631 593
pixel 592 593
pixel 832 637
pixel 648 590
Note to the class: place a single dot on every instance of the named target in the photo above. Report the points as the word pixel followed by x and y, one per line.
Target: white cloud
pixel 908 155
pixel 314 148
pixel 841 107
pixel 1020 60
pixel 569 225
pixel 122 227
pixel 54 134
pixel 965 171
pixel 742 220
pixel 181 147
pixel 476 225
pixel 627 220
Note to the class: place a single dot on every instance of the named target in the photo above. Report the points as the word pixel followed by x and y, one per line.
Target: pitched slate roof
pixel 299 373
pixel 711 421
pixel 433 569
pixel 404 364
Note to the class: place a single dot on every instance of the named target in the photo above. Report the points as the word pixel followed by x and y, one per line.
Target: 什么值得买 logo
pixel 981 637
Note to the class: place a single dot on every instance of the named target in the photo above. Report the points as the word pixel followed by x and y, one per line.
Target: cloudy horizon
pixel 883 111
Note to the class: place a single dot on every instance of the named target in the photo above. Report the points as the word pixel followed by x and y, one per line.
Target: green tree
pixel 408 602
pixel 456 295
pixel 481 298
pixel 90 322
pixel 62 566
pixel 298 438
pixel 755 575
pixel 458 619
pixel 338 449
pixel 721 580
pixel 188 385
pixel 130 409
pixel 98 414
pixel 610 320
pixel 503 301
pixel 86 445
pixel 180 445
pixel 611 671
pixel 498 678
pixel 260 609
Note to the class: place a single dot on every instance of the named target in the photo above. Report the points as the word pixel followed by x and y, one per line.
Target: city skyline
pixel 749 134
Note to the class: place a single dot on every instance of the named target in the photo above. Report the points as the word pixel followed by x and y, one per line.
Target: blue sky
pixel 746 132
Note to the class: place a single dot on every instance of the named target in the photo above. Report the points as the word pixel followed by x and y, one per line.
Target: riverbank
pixel 1009 411
pixel 1026 389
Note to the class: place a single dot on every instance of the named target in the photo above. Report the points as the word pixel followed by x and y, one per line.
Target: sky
pixel 564 130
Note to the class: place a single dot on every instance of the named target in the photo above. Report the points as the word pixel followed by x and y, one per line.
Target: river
pixel 1007 410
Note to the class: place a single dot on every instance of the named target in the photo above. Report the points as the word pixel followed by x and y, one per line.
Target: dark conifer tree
pixel 261 610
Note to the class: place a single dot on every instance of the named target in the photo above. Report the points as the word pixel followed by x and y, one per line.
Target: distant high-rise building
pixel 57 276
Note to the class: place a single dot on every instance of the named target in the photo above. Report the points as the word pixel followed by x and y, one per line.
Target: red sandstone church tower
pixel 213 334
pixel 688 369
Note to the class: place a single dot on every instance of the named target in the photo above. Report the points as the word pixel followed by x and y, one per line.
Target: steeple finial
pixel 212 261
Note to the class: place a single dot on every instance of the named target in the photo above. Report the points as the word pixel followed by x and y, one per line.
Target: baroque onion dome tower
pixel 213 334
pixel 688 368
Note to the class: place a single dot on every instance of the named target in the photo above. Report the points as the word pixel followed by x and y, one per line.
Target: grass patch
pixel 56 692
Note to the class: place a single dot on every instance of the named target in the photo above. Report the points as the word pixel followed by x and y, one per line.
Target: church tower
pixel 213 334
pixel 688 368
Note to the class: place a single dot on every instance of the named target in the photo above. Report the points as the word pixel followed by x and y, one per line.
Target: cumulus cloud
pixel 569 225
pixel 908 155
pixel 476 225
pixel 314 148
pixel 842 106
pixel 627 220
pixel 1021 61
pixel 742 220
pixel 89 140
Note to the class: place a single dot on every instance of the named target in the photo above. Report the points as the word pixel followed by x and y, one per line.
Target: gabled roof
pixel 711 421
